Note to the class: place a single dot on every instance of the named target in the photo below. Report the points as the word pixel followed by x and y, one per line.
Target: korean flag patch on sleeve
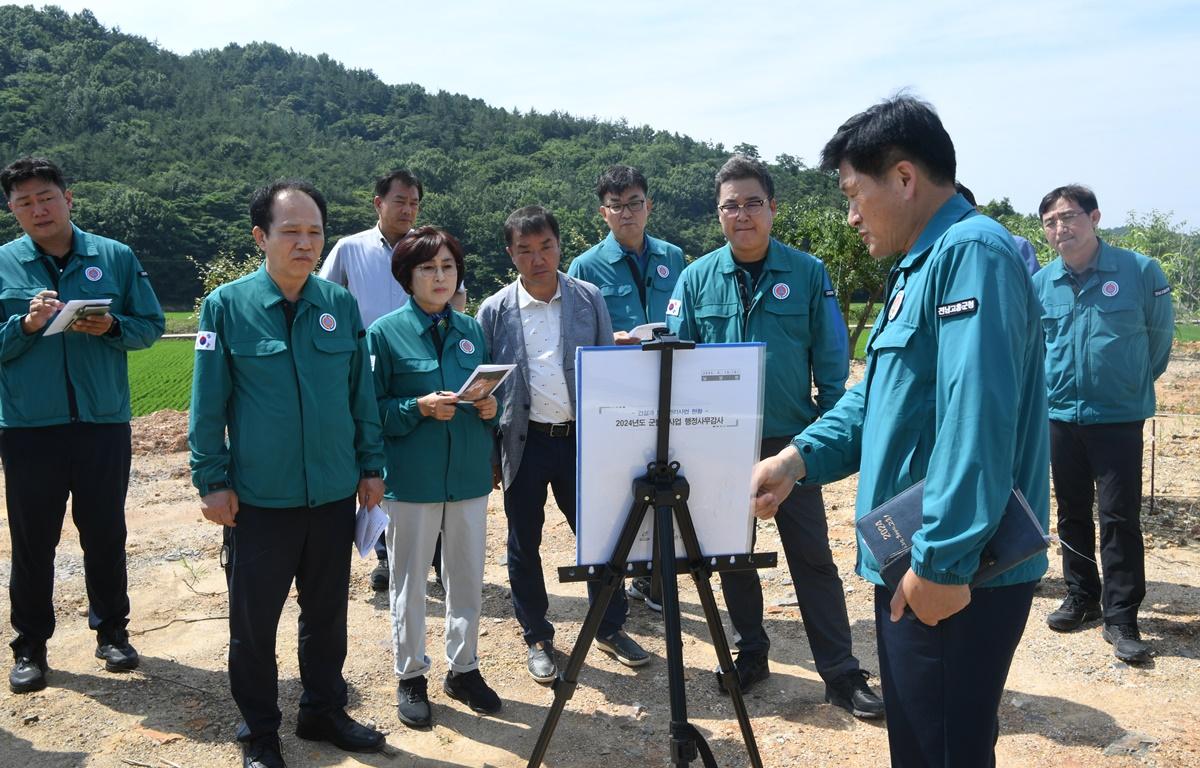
pixel 673 307
pixel 206 341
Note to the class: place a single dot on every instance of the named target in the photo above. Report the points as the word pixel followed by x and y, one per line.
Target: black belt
pixel 565 429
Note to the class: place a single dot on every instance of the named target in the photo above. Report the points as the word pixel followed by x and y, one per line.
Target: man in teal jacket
pixel 282 364
pixel 954 394
pixel 1108 323
pixel 635 273
pixel 755 288
pixel 64 413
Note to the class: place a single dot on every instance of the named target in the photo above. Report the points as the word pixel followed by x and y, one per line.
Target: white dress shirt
pixel 362 263
pixel 541 323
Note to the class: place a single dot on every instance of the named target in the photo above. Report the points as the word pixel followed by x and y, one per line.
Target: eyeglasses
pixel 1066 219
pixel 429 270
pixel 634 206
pixel 752 208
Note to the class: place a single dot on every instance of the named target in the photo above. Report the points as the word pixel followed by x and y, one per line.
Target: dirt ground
pixel 1069 701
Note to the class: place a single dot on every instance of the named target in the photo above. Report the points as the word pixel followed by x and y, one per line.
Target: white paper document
pixel 483 381
pixel 368 524
pixel 645 331
pixel 716 426
pixel 74 310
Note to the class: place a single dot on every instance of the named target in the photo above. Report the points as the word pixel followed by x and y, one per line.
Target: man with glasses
pixel 362 263
pixel 755 288
pixel 1108 322
pixel 635 273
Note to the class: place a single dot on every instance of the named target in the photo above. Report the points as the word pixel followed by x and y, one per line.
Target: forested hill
pixel 163 150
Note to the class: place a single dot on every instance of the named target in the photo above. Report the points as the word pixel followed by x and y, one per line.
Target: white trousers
pixel 412 534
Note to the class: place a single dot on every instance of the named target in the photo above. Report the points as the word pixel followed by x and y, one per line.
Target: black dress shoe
pixel 263 752
pixel 541 662
pixel 752 668
pixel 851 693
pixel 339 730
pixel 118 654
pixel 28 675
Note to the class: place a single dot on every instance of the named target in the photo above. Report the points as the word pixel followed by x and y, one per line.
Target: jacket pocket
pixel 715 323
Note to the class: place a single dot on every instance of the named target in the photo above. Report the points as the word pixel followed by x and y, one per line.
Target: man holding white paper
pixel 64 412
pixel 282 365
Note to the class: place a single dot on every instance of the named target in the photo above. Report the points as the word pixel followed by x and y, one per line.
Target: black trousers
pixel 42 465
pixel 1104 460
pixel 942 684
pixel 547 462
pixel 267 549
pixel 804 534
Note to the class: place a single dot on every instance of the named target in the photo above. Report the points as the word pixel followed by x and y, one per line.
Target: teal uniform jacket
pixel 35 369
pixel 299 406
pixel 1106 346
pixel 608 267
pixel 792 309
pixel 954 394
pixel 428 460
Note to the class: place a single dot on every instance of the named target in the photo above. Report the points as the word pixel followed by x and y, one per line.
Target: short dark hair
pixel 966 192
pixel 420 246
pixel 1082 196
pixel 741 167
pixel 405 177
pixel 31 168
pixel 527 220
pixel 899 128
pixel 616 179
pixel 263 200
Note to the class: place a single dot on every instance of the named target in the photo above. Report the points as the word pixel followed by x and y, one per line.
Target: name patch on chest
pixel 964 307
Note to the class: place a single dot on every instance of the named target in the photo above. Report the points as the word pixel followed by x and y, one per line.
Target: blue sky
pixel 1034 94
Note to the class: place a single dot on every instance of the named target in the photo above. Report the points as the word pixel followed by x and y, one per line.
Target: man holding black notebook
pixel 954 394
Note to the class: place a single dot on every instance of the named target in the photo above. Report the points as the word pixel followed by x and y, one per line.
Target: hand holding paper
pixel 368 524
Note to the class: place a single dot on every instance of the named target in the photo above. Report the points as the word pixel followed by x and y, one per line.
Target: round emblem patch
pixel 781 291
pixel 328 322
pixel 466 346
pixel 93 273
pixel 894 309
pixel 663 271
pixel 1110 288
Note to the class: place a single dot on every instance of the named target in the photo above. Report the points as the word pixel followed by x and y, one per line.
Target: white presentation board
pixel 716 426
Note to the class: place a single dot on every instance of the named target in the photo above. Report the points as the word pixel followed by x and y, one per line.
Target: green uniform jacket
pixel 300 407
pixel 792 309
pixel 1106 346
pixel 430 460
pixel 35 369
pixel 954 394
pixel 606 266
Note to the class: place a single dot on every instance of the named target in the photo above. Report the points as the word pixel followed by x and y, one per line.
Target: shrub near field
pixel 161 376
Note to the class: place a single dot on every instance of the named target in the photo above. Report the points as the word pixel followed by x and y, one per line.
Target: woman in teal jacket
pixel 439 469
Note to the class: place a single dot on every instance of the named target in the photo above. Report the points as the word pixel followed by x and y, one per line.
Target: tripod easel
pixel 664 489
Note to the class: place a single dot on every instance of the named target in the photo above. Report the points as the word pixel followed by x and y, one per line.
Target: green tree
pixel 1156 235
pixel 823 232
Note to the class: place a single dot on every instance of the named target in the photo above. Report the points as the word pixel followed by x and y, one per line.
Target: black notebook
pixel 888 529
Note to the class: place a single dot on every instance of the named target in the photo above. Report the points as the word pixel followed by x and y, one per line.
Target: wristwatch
pixel 371 473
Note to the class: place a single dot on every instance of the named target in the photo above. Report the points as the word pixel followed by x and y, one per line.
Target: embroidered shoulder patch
pixel 1162 291
pixel 673 307
pixel 963 307
pixel 830 294
pixel 143 273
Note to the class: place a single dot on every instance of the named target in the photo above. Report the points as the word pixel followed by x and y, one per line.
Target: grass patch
pixel 1187 332
pixel 180 322
pixel 161 376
